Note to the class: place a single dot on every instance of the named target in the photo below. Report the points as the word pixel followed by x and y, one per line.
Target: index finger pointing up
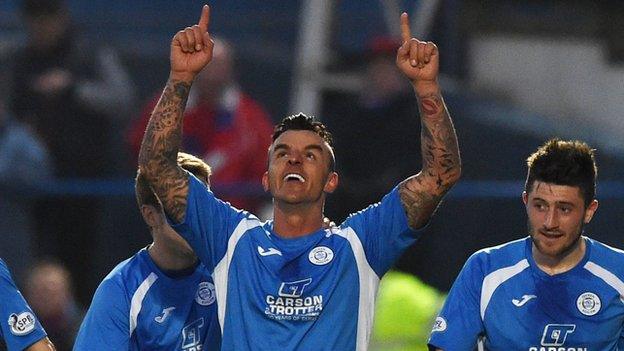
pixel 205 18
pixel 406 34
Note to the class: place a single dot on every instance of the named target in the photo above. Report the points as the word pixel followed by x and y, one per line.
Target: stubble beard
pixel 561 253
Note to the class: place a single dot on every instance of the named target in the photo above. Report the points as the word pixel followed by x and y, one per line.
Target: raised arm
pixel 441 168
pixel 191 50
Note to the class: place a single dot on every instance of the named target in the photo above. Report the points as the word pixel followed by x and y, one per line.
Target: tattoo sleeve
pixel 159 149
pixel 441 166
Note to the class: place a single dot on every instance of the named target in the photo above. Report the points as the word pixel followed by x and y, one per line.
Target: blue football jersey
pixel 19 326
pixel 315 292
pixel 503 296
pixel 138 307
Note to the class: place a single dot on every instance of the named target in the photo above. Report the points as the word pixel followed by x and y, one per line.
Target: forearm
pixel 42 345
pixel 160 146
pixel 439 147
pixel 441 165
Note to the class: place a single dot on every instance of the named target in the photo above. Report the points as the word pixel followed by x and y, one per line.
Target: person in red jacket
pixel 224 126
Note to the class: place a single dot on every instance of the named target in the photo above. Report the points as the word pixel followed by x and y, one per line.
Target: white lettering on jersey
pixel 292 305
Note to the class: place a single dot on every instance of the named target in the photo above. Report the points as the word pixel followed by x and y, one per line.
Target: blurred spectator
pixel 24 162
pixel 382 126
pixel 405 312
pixel 222 124
pixel 48 289
pixel 69 91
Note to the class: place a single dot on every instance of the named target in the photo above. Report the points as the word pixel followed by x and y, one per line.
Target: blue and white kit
pixel 315 292
pixel 19 326
pixel 502 295
pixel 139 307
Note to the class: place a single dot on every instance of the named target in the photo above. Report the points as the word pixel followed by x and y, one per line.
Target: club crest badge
pixel 321 255
pixel 588 303
pixel 205 294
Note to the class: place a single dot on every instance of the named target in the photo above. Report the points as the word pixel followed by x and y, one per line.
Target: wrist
pixel 182 76
pixel 426 87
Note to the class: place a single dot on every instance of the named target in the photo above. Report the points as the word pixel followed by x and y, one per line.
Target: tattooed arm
pixel 421 193
pixel 191 50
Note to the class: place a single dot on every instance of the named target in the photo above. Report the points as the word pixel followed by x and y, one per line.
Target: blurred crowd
pixel 68 116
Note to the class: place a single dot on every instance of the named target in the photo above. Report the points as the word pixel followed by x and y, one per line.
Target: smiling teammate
pixel 554 290
pixel 289 284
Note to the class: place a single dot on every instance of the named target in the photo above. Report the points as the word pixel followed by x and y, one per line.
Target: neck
pixel 170 260
pixel 293 221
pixel 560 263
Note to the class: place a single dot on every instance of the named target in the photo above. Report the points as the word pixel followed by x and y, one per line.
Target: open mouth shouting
pixel 294 177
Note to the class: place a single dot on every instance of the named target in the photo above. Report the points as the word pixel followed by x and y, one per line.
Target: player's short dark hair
pixel 303 122
pixel 145 194
pixel 564 162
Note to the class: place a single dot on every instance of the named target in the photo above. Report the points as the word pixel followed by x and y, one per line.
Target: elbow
pixel 147 168
pixel 454 175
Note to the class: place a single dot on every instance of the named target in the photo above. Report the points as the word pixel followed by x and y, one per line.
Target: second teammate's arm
pixel 421 193
pixel 42 345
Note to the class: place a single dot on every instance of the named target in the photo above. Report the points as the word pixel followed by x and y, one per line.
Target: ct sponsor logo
pixel 555 337
pixel 439 325
pixel 292 304
pixel 588 303
pixel 205 294
pixel 321 255
pixel 21 324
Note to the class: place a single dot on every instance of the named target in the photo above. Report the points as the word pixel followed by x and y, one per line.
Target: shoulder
pixel 607 257
pixel 389 202
pixel 126 277
pixel 494 258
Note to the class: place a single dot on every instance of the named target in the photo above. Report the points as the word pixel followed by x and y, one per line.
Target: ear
pixel 151 215
pixel 265 181
pixel 332 183
pixel 590 210
pixel 525 197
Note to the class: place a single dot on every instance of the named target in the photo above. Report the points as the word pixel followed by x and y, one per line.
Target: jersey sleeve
pixel 459 324
pixel 19 326
pixel 208 223
pixel 106 325
pixel 383 230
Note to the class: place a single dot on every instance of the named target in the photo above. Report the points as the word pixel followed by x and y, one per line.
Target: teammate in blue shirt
pixel 289 284
pixel 162 298
pixel 19 329
pixel 554 290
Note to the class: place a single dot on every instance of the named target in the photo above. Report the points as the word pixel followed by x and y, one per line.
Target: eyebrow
pixel 314 147
pixel 281 146
pixel 556 202
pixel 308 147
